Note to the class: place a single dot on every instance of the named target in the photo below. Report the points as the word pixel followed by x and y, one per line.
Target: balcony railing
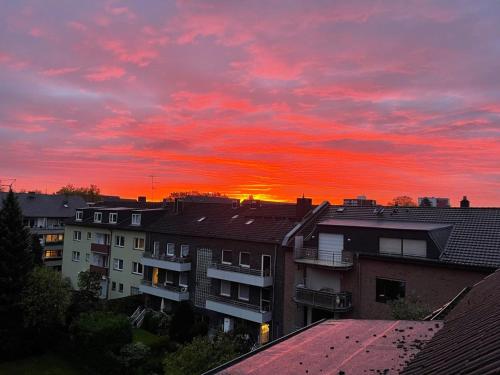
pixel 239 269
pixel 103 271
pixel 168 258
pixel 242 275
pixel 99 248
pixel 310 255
pixel 172 288
pixel 245 305
pixel 239 309
pixel 324 299
pixel 163 290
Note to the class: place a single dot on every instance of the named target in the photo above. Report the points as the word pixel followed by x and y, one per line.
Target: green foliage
pixel 157 322
pixel 91 193
pixel 409 308
pixel 126 305
pixel 45 299
pixel 16 263
pixel 201 355
pixel 183 194
pixel 402 201
pixel 132 358
pixel 47 364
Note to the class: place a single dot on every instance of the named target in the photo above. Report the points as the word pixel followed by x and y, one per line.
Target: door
pixel 202 290
pixel 330 247
pixel 266 265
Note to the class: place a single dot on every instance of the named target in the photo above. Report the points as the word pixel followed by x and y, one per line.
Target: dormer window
pixel 136 219
pixel 235 216
pixel 201 219
pixel 79 216
pixel 97 217
pixel 113 218
pixel 249 221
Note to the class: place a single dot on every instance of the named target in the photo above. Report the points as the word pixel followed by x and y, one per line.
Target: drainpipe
pixel 274 282
pixel 109 263
pixel 359 283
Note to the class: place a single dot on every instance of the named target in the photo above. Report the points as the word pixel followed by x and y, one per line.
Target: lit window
pixel 137 268
pixel 245 260
pixel 170 249
pixel 113 218
pixel 79 216
pixel 136 219
pixel 389 290
pixel 184 251
pixel 225 288
pixel 243 292
pixel 77 235
pixel 97 217
pixel 118 264
pixel 120 241
pixel 75 256
pixel 227 257
pixel 138 243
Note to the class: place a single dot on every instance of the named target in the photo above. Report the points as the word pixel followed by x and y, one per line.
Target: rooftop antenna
pixel 12 181
pixel 152 185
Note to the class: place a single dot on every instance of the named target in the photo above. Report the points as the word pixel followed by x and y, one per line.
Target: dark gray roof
pixel 474 238
pixel 384 224
pixel 46 205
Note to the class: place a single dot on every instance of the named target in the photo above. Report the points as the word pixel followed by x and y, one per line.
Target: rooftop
pixel 384 224
pixel 47 205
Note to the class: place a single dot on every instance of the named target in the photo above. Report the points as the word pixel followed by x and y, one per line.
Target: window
pixel 170 249
pixel 183 279
pixel 415 248
pixel 243 292
pixel 97 217
pixel 54 238
pixel 389 290
pixel 120 288
pixel 136 219
pixel 245 260
pixel 225 288
pixel 120 241
pixel 118 264
pixel 137 268
pixel 89 235
pixel 134 290
pixel 79 216
pixel 156 247
pixel 102 238
pixel 138 243
pixel 75 256
pixel 113 218
pixel 87 257
pixel 227 257
pixel 113 285
pixel 77 235
pixel 390 246
pixel 169 277
pixel 184 251
pixel 405 247
pixel 52 254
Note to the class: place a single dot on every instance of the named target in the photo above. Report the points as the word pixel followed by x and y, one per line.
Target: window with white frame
pixel 225 288
pixel 137 268
pixel 244 259
pixel 75 256
pixel 113 218
pixel 156 247
pixel 227 256
pixel 169 278
pixel 170 249
pixel 183 279
pixel 118 264
pixel 243 292
pixel 77 235
pixel 120 288
pixel 184 251
pixel 89 235
pixel 120 241
pixel 79 216
pixel 97 217
pixel 136 219
pixel 139 243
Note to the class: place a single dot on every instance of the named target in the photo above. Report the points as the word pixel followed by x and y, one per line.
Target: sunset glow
pixel 274 99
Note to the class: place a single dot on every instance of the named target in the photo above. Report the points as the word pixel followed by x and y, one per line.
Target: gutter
pixel 311 215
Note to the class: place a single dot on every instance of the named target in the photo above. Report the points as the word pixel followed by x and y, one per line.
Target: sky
pixel 331 99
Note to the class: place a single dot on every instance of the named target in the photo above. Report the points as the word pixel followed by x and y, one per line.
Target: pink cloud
pixel 105 73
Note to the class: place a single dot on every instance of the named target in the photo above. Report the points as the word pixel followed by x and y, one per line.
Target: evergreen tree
pixel 37 250
pixel 16 263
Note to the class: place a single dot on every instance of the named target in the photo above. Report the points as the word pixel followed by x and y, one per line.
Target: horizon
pixel 270 99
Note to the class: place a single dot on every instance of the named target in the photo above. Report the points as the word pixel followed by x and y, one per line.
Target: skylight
pixel 235 216
pixel 201 219
pixel 250 221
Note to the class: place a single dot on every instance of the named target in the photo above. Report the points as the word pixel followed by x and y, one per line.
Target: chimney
pixel 304 205
pixel 179 205
pixel 464 203
pixel 141 199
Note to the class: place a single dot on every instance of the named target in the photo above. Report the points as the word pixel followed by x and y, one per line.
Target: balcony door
pixel 266 265
pixel 202 290
pixel 330 247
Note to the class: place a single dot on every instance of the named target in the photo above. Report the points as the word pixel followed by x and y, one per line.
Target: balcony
pixel 240 275
pixel 166 262
pixel 323 299
pixel 309 255
pixel 99 248
pixel 103 271
pixel 238 309
pixel 170 292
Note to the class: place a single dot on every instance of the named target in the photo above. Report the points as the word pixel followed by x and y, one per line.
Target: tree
pixel 409 308
pixel 16 263
pixel 37 250
pixel 402 201
pixel 87 297
pixel 91 193
pixel 45 300
pixel 182 323
pixel 183 194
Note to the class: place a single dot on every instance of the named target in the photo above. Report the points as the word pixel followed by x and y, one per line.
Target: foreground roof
pixel 474 238
pixel 341 347
pixel 469 343
pixel 47 205
pixel 384 224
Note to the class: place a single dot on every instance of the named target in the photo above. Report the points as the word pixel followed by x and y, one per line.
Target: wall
pixel 70 268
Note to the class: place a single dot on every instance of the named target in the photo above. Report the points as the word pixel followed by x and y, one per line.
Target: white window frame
pixel 170 246
pixel 89 236
pixel 224 282
pixel 222 258
pixel 75 256
pixel 79 216
pixel 113 215
pixel 270 264
pixel 239 292
pixel 244 265
pixel 137 265
pixel 156 247
pixel 97 217
pixel 77 235
pixel 136 219
pixel 119 243
pixel 137 241
pixel 167 281
pixel 182 251
pixel 116 264
pixel 185 285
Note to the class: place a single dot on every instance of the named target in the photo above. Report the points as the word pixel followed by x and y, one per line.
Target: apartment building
pixel 351 261
pixel 45 215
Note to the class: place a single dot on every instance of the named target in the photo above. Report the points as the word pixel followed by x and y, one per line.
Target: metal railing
pixel 239 269
pixel 169 258
pixel 333 301
pixel 100 248
pixel 169 287
pixel 245 305
pixel 312 253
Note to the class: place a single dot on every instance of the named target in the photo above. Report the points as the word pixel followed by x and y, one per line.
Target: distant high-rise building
pixel 433 202
pixel 464 203
pixel 360 201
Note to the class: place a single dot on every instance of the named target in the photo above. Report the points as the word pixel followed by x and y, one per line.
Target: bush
pixel 410 308
pixel 132 357
pixel 126 305
pixel 185 324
